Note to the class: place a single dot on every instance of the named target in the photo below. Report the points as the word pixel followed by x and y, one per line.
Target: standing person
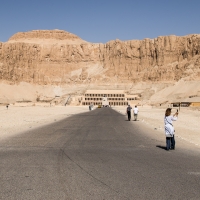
pixel 135 112
pixel 169 129
pixel 128 111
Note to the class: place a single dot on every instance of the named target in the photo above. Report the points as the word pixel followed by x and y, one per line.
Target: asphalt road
pixel 96 155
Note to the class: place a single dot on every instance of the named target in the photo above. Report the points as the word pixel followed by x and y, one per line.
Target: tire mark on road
pixel 98 180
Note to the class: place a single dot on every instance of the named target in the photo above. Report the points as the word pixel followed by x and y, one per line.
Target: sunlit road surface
pixel 96 155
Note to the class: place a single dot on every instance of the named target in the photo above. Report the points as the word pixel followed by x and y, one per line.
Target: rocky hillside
pixel 60 58
pixel 52 57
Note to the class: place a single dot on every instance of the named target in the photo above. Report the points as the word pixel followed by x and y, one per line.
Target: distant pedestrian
pixel 135 112
pixel 7 106
pixel 128 111
pixel 169 129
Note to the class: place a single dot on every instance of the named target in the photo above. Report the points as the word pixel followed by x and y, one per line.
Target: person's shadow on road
pixel 161 147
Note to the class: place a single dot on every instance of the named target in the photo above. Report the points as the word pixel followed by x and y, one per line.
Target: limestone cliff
pixel 40 34
pixel 60 58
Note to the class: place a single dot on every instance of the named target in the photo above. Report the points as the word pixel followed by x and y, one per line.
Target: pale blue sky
pixel 101 20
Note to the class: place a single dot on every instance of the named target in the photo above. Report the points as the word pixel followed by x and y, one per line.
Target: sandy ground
pixel 187 127
pixel 16 120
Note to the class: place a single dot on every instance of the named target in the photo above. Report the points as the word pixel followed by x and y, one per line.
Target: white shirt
pixel 169 129
pixel 135 110
pixel 169 119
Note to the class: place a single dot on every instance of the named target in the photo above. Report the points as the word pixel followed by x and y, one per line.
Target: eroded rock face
pixel 40 34
pixel 58 57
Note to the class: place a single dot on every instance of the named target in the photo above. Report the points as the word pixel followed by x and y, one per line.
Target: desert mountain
pixel 46 61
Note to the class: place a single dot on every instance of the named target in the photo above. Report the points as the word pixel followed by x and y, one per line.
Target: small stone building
pixel 192 102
